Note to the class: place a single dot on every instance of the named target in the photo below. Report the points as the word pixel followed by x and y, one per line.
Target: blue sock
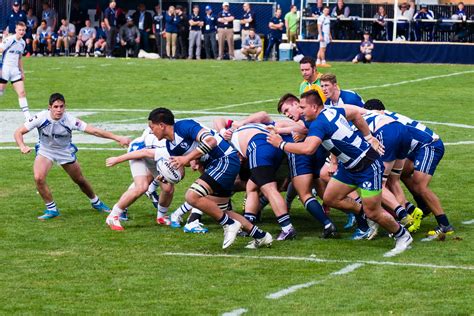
pixel 290 194
pixel 401 212
pixel 399 232
pixel 361 220
pixel 256 232
pixel 252 218
pixel 263 201
pixel 442 220
pixel 315 209
pixel 285 222
pixel 226 220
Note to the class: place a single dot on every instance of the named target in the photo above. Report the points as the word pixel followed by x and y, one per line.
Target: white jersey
pixel 53 134
pixel 87 33
pixel 12 51
pixel 325 23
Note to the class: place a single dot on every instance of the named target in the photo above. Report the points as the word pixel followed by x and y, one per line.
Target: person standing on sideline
pixel 324 37
pixel 196 23
pixel 292 21
pixel 209 30
pixel 248 21
pixel 110 20
pixel 225 31
pixel 276 26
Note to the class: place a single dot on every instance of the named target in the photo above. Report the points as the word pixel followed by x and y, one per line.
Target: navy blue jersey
pixel 250 25
pixel 101 33
pixel 195 18
pixel 277 34
pixel 172 22
pixel 157 20
pixel 338 138
pixel 15 17
pixel 110 15
pixel 210 23
pixel 226 25
pixel 346 97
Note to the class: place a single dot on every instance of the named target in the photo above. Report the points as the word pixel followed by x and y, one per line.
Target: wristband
pixel 282 146
pixel 368 137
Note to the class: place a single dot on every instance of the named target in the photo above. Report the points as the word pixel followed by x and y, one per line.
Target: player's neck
pixel 335 96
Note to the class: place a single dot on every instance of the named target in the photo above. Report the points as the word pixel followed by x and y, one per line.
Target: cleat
pixel 153 196
pixel 175 220
pixel 351 221
pixel 114 222
pixel 359 234
pixel 374 229
pixel 407 221
pixel 48 215
pixel 230 233
pixel 291 234
pixel 402 243
pixel 417 216
pixel 124 216
pixel 163 221
pixel 195 227
pixel 101 207
pixel 439 233
pixel 265 241
pixel 329 232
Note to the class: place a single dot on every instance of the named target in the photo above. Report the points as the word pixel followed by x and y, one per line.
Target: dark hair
pixel 374 104
pixel 55 97
pixel 161 115
pixel 308 60
pixel 287 97
pixel 312 97
pixel 20 23
pixel 43 21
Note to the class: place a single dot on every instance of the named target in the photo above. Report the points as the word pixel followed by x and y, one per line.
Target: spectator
pixel 31 25
pixel 209 30
pixel 420 26
pixel 252 45
pixel 110 20
pixel 144 21
pixel 248 20
pixel 460 13
pixel 379 27
pixel 225 31
pixel 49 15
pixel 324 37
pixel 318 9
pixel 183 33
pixel 121 15
pixel 43 39
pixel 158 29
pixel 196 23
pixel 86 37
pixel 171 32
pixel 292 21
pixel 366 48
pixel 130 37
pixel 78 16
pixel 342 28
pixel 404 18
pixel 276 26
pixel 461 30
pixel 15 16
pixel 66 37
pixel 101 40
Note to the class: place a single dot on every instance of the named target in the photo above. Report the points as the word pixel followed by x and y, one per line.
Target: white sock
pixel 287 228
pixel 2 92
pixel 153 186
pixel 51 206
pixel 116 211
pixel 196 211
pixel 323 61
pixel 24 107
pixel 94 200
pixel 183 209
pixel 161 211
pixel 318 61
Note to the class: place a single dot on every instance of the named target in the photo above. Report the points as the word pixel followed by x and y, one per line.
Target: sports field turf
pixel 76 265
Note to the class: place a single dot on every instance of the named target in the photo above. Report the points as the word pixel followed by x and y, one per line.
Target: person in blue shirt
pixel 276 26
pixel 335 96
pixel 225 31
pixel 420 26
pixel 196 23
pixel 248 20
pixel 101 39
pixel 358 155
pixel 15 16
pixel 110 19
pixel 209 30
pixel 171 29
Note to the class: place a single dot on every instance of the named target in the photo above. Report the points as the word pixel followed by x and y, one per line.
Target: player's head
pixel 196 10
pixel 88 22
pixel 374 104
pixel 160 120
pixel 64 22
pixel 310 105
pixel 329 84
pixel 57 106
pixel 289 106
pixel 326 10
pixel 293 8
pixel 246 6
pixel 45 5
pixel 278 13
pixel 112 4
pixel 43 24
pixel 20 29
pixel 308 68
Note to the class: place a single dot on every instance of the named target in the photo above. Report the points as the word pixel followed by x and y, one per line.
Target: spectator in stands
pixel 130 38
pixel 49 15
pixel 43 39
pixel 183 33
pixel 252 46
pixel 78 16
pixel 379 27
pixel 144 21
pixel 292 22
pixel 171 32
pixel 366 48
pixel 276 26
pixel 225 31
pixel 209 30
pixel 86 37
pixel 460 13
pixel 101 40
pixel 31 26
pixel 66 37
pixel 121 15
pixel 341 28
pixel 461 30
pixel 248 20
pixel 195 23
pixel 318 9
pixel 420 26
pixel 158 29
pixel 404 17
pixel 15 16
pixel 111 25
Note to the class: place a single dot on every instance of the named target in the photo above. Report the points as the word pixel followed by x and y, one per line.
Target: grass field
pixel 76 265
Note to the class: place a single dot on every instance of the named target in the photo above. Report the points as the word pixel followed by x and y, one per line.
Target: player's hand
pixel 332 169
pixel 178 161
pixel 376 145
pixel 274 139
pixel 161 179
pixel 297 137
pixel 272 129
pixel 124 141
pixel 25 149
pixel 228 133
pixel 111 161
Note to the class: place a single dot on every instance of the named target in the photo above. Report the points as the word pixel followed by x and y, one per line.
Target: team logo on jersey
pixel 417 163
pixel 184 145
pixel 366 185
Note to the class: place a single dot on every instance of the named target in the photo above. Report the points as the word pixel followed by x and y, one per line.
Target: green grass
pixel 75 264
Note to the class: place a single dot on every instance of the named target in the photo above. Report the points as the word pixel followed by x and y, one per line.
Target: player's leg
pixel 89 44
pixel 390 201
pixel 41 168
pixel 35 46
pixel 164 201
pixel 79 44
pixel 3 84
pixel 19 87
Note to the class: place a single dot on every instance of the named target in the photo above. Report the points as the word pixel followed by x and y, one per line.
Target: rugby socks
pixel 401 230
pixel 285 222
pixel 263 201
pixel 183 209
pixel 290 195
pixel 51 206
pixel 161 211
pixel 401 212
pixel 252 218
pixel 410 207
pixel 2 92
pixel 95 200
pixel 225 220
pixel 361 220
pixel 442 220
pixel 195 215
pixel 358 200
pixel 24 107
pixel 153 186
pixel 256 232
pixel 116 211
pixel 315 209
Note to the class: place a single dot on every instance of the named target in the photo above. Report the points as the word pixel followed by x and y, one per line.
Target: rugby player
pixel 11 66
pixel 55 128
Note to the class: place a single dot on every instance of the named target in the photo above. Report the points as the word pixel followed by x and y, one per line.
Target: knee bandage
pixel 224 206
pixel 199 189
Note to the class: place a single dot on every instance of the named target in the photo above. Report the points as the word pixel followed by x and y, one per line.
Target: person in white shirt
pixel 405 16
pixel 324 37
pixel 11 66
pixel 55 128
pixel 86 37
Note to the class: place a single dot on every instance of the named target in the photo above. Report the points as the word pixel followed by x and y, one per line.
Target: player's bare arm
pixel 18 135
pixel 134 155
pixel 207 142
pixel 122 140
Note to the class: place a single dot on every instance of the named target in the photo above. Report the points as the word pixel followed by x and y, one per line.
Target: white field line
pixel 468 222
pixel 467 142
pixel 348 269
pixel 307 259
pixel 449 124
pixel 240 104
pixel 236 312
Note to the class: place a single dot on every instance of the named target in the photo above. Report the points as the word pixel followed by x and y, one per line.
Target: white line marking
pixel 291 289
pixel 239 104
pixel 348 269
pixel 80 148
pixel 80 67
pixel 467 142
pixel 236 312
pixel 105 65
pixel 55 68
pixel 291 258
pixel 449 124
pixel 468 222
